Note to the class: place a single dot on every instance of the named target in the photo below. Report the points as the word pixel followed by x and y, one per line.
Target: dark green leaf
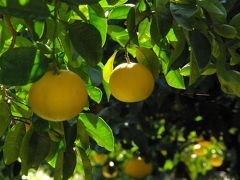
pixel 201 48
pixel 98 130
pixel 4 116
pixel 131 26
pixel 95 74
pixel 82 135
pixel 235 21
pixel 182 13
pixel 26 65
pixel 194 69
pixel 86 164
pixel 69 163
pixel 34 149
pixel 98 19
pixel 58 171
pixel 70 132
pixel 226 31
pixel 149 59
pixel 215 9
pixel 13 142
pixel 31 9
pixel 86 39
pixel 112 2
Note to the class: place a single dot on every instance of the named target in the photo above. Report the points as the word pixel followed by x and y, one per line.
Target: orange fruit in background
pixel 216 160
pixel 98 158
pixel 131 82
pixel 109 171
pixel 137 168
pixel 200 149
pixel 58 96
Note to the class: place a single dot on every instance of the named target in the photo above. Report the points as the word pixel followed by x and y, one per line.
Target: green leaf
pixel 26 65
pixel 70 133
pixel 112 2
pixel 69 163
pixel 131 26
pixel 163 18
pixel 87 41
pixel 82 135
pixel 182 13
pixel 175 79
pixel 201 48
pixel 194 69
pixel 58 171
pixel 148 58
pixel 4 116
pixel 226 31
pixel 119 12
pixel 94 93
pixel 97 18
pixel 31 9
pixel 215 9
pixel 95 74
pixel 235 21
pixel 144 36
pixel 77 2
pixel 210 69
pixel 98 130
pixel 34 149
pixel 230 81
pixel 108 67
pixel 12 144
pixel 118 34
pixel 87 167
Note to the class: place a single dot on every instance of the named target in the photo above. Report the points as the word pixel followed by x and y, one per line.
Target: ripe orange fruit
pixel 58 96
pixel 137 168
pixel 216 160
pixel 200 149
pixel 131 82
pixel 99 158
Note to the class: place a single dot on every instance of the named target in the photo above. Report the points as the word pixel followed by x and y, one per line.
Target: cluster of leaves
pixel 180 41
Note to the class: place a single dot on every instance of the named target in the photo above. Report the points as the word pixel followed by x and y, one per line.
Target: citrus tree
pixel 160 76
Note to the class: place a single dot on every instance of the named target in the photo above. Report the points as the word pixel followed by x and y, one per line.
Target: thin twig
pixel 12 30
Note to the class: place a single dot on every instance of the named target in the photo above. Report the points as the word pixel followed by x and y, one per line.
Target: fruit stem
pixel 126 56
pixel 12 30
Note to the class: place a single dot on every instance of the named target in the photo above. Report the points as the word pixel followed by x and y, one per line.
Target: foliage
pixel 190 46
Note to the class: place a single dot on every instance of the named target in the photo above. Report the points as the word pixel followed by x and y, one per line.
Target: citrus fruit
pixel 216 160
pixel 99 158
pixel 131 82
pixel 58 96
pixel 137 168
pixel 200 149
pixel 109 171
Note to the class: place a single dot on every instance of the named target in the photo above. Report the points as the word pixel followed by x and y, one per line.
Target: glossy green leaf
pixel 144 36
pixel 94 93
pixel 32 9
pixel 210 69
pixel 194 69
pixel 12 143
pixel 98 130
pixel 182 13
pixel 148 58
pixel 96 75
pixel 119 12
pixel 26 65
pixel 175 79
pixel 87 41
pixel 118 34
pixel 97 18
pixel 235 21
pixel 201 48
pixel 4 116
pixel 108 67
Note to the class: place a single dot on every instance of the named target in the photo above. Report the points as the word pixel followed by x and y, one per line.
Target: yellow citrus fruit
pixel 99 158
pixel 200 149
pixel 131 82
pixel 109 171
pixel 216 160
pixel 137 168
pixel 58 96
